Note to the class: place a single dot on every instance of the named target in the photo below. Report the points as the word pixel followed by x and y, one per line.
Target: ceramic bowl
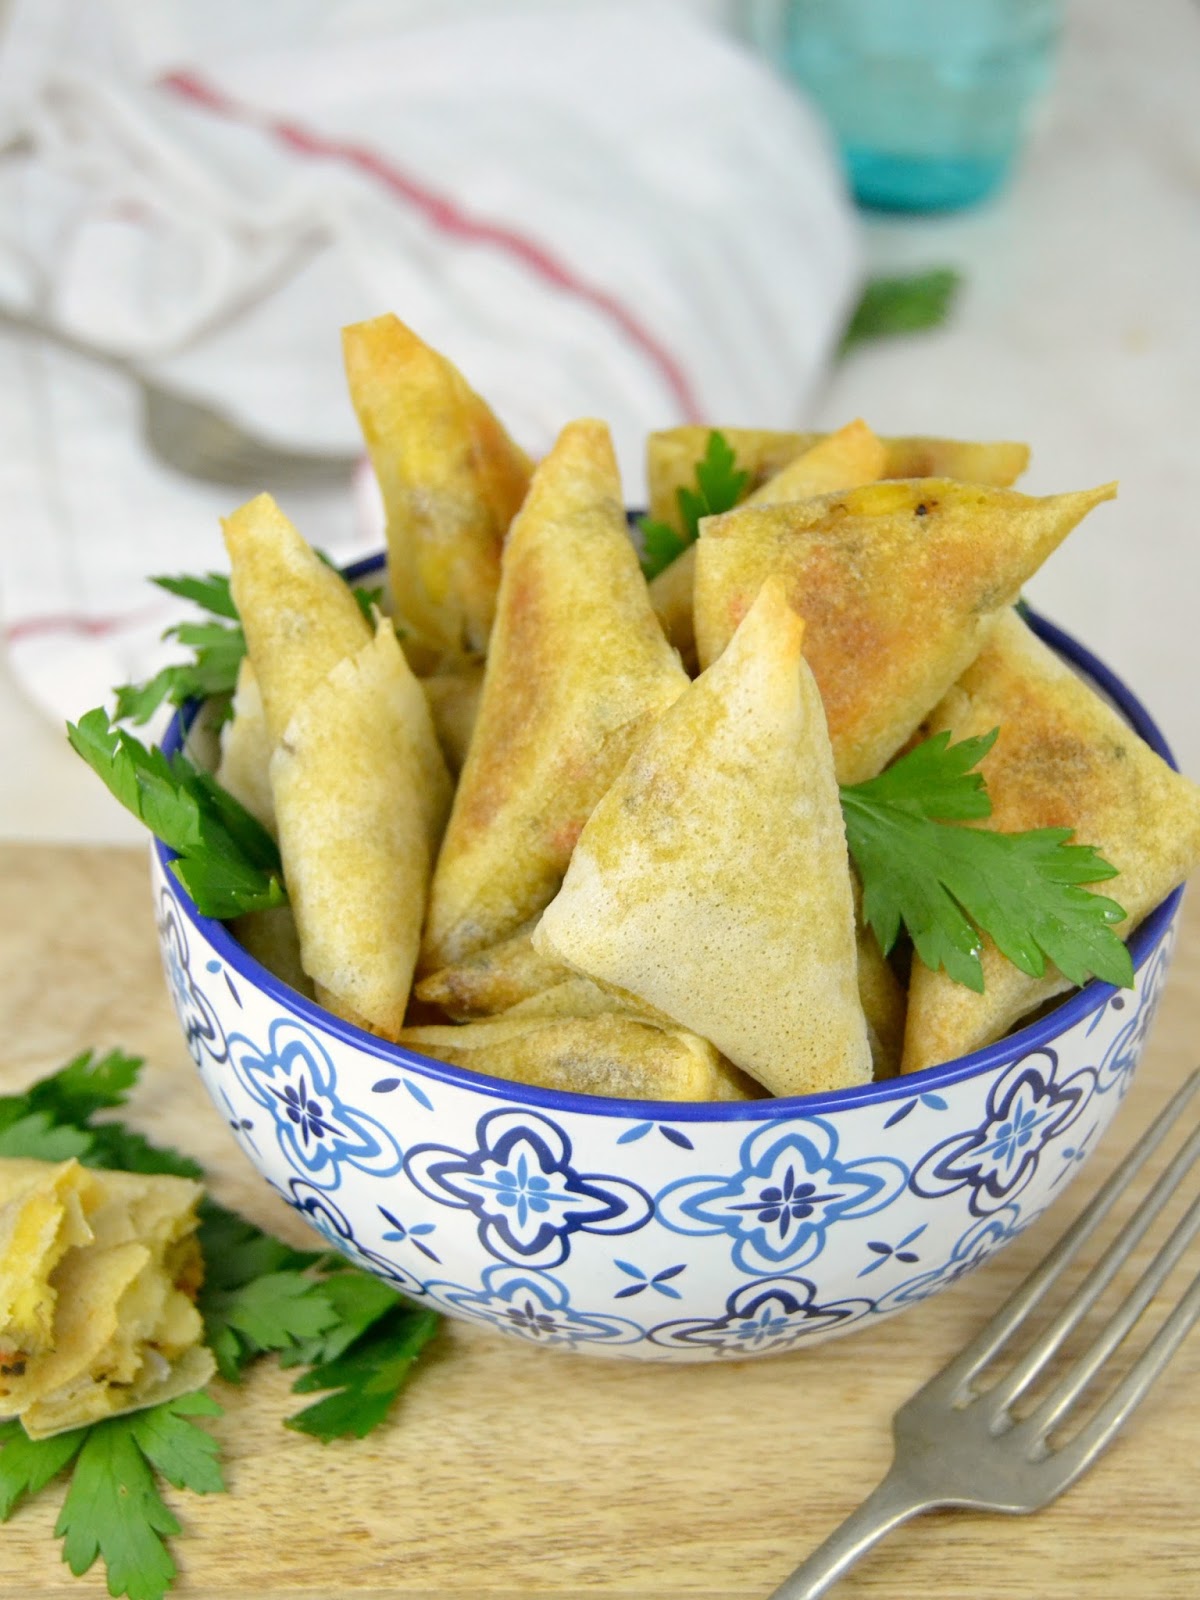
pixel 659 1231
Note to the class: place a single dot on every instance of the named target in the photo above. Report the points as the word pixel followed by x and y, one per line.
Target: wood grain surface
pixel 510 1472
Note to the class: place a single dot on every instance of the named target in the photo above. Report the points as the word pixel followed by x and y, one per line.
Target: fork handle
pixel 892 1502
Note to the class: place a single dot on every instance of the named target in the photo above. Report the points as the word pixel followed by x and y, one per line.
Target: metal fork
pixel 959 1445
pixel 201 441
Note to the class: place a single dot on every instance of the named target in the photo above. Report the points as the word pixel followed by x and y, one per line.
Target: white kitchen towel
pixel 594 209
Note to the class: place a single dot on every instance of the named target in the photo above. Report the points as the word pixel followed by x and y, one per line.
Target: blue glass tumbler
pixel 929 99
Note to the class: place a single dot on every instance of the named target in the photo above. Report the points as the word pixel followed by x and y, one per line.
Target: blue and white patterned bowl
pixel 661 1231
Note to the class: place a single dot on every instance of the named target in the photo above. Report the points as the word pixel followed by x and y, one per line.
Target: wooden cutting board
pixel 509 1472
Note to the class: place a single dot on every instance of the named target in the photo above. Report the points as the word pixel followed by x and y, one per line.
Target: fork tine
pixel 1055 1406
pixel 1076 1456
pixel 958 1372
pixel 1002 1394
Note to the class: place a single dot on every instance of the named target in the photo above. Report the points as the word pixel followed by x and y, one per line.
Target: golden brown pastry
pixel 246 750
pixel 299 616
pixel 454 704
pixel 361 796
pixel 492 979
pixel 899 584
pixel 712 881
pixel 451 480
pixel 125 1332
pixel 577 670
pixel 1063 759
pixel 43 1212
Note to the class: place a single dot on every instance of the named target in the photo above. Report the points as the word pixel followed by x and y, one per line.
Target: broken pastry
pixel 126 1332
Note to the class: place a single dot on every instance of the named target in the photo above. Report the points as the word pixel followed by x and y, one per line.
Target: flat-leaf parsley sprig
pixel 355 1335
pixel 719 487
pixel 947 884
pixel 225 858
pixel 218 648
pixel 909 304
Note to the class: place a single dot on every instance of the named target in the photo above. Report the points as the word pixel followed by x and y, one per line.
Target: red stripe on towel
pixel 64 622
pixel 450 218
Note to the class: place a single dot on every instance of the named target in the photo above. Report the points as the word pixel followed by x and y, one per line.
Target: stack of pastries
pixel 544 820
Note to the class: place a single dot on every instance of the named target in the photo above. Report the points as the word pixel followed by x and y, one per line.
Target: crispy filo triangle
pixel 299 615
pixel 126 1330
pixel 840 460
pixel 712 881
pixel 612 1054
pixel 361 795
pixel 451 480
pixel 672 454
pixel 899 584
pixel 43 1214
pixel 1063 758
pixel 577 669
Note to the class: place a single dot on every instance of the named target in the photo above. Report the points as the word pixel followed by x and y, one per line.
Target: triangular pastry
pixel 451 480
pixel 713 882
pixel 1063 759
pixel 361 795
pixel 578 668
pixel 899 584
pixel 299 615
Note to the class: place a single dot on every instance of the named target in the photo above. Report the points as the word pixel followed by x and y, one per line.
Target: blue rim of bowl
pixel 1077 1005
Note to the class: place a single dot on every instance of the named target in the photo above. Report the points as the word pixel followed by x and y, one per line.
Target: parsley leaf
pixel 87 1084
pixel 660 546
pixel 358 1299
pixel 352 1329
pixel 218 648
pixel 367 1376
pixel 116 1146
pixel 37 1138
pixel 907 304
pixel 272 1312
pixel 262 1295
pixel 949 884
pixel 225 858
pixel 719 487
pixel 28 1465
pixel 52 1120
pixel 211 592
pixel 113 1507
